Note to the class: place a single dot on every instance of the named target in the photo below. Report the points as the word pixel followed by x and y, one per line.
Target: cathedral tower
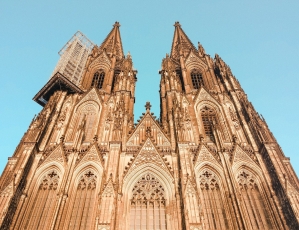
pixel 229 163
pixel 209 161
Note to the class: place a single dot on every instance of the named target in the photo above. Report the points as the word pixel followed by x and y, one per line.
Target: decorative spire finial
pixel 177 24
pixel 201 50
pixel 148 106
pixel 116 24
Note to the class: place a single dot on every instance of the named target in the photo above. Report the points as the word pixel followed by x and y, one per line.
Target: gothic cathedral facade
pixel 209 161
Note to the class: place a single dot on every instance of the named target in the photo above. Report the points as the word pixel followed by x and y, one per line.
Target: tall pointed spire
pixel 112 43
pixel 180 41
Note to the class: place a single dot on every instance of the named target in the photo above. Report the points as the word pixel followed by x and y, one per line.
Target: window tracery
pixel 84 121
pixel 197 79
pixel 255 206
pixel 208 117
pixel 83 202
pixel 98 79
pixel 42 209
pixel 213 203
pixel 148 204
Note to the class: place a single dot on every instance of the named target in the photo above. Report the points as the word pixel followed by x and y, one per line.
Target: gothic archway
pixel 254 204
pixel 82 202
pixel 214 204
pixel 210 118
pixel 196 78
pixel 84 120
pixel 98 79
pixel 148 204
pixel 41 209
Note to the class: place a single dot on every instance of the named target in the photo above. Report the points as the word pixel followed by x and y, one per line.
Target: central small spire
pixel 148 106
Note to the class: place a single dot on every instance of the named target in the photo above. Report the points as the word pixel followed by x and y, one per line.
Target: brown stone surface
pixel 209 162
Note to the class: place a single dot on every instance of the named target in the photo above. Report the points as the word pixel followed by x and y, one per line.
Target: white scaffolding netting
pixel 73 57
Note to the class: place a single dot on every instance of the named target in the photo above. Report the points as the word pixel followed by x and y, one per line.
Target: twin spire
pixel 181 44
pixel 112 43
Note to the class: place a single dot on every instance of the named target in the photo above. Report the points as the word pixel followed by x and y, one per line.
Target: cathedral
pixel 208 162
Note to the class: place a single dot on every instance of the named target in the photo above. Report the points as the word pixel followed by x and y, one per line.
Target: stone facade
pixel 209 161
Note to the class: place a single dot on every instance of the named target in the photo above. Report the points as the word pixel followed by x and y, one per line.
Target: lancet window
pixel 208 117
pixel 213 203
pixel 84 122
pixel 197 79
pixel 255 206
pixel 147 209
pixel 98 79
pixel 83 202
pixel 42 209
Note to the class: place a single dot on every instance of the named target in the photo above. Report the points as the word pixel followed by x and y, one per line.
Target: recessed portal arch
pixel 147 198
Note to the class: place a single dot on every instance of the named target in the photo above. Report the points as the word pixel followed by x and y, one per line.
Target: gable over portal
pixel 148 155
pixel 148 127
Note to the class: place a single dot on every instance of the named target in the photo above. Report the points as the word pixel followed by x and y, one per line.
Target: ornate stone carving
pixel 108 190
pixel 88 181
pixel 119 114
pixel 205 155
pixel 148 154
pixel 49 181
pixel 92 154
pixel 109 173
pixel 244 156
pixel 234 118
pixel 208 180
pixel 148 188
pixel 56 153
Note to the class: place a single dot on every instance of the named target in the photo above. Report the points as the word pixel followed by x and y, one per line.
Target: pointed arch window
pixel 147 209
pixel 98 79
pixel 208 117
pixel 253 201
pixel 197 79
pixel 213 203
pixel 41 212
pixel 84 122
pixel 83 202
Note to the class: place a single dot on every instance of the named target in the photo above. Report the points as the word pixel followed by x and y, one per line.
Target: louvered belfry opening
pixel 197 79
pixel 98 79
pixel 208 117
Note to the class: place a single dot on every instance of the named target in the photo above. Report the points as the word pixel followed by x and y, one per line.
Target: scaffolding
pixel 73 57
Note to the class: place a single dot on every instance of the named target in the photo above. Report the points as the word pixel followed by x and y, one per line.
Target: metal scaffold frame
pixel 73 57
pixel 83 40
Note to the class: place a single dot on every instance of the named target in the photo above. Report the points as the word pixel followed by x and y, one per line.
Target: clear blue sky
pixel 258 39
